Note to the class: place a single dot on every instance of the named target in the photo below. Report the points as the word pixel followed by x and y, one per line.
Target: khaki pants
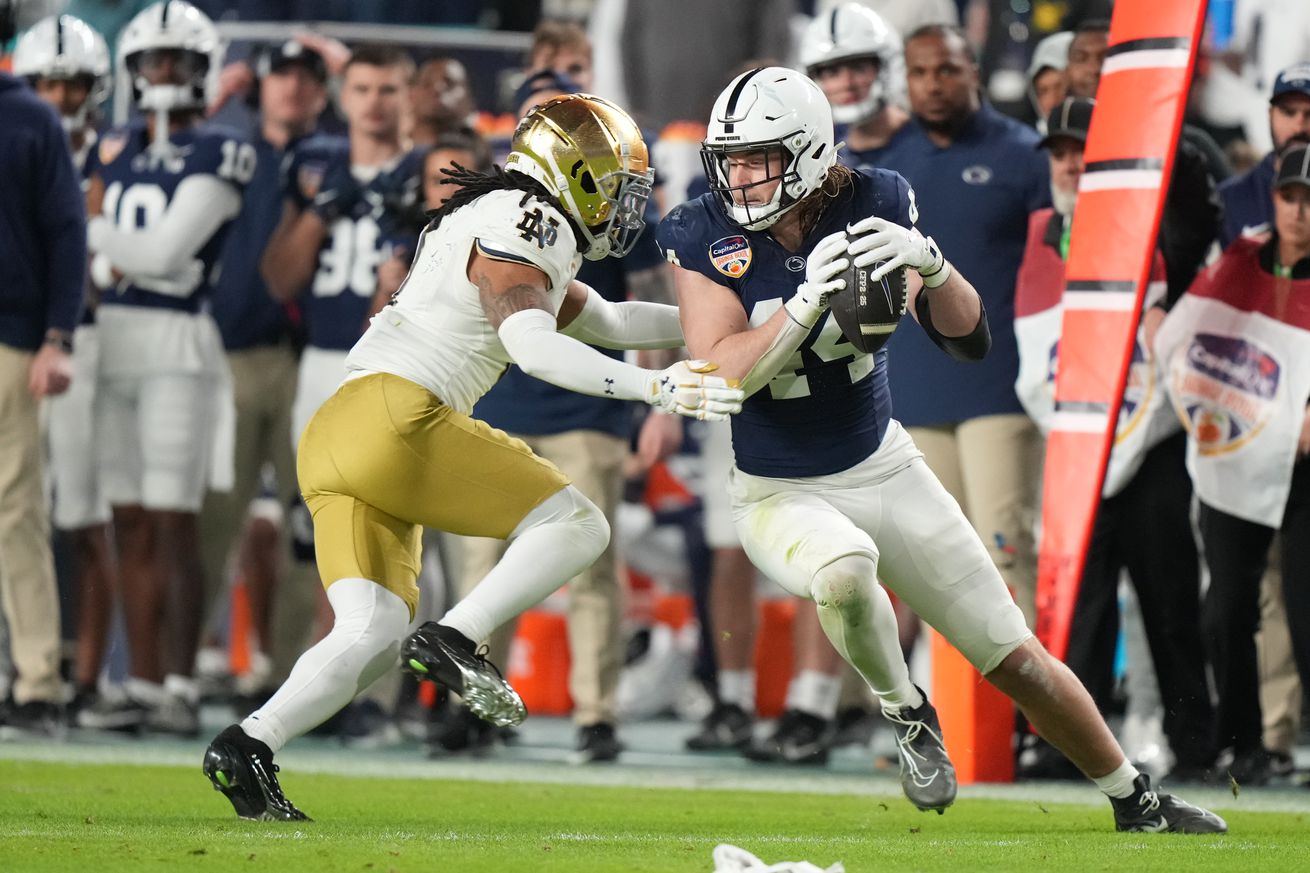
pixel 27 573
pixel 594 462
pixel 1280 685
pixel 992 466
pixel 263 387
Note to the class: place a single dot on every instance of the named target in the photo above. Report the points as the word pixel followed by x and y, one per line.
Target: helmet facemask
pixel 735 199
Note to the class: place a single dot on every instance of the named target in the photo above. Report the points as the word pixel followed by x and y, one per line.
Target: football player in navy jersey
pixel 829 493
pixel 67 64
pixel 162 193
pixel 858 61
pixel 351 205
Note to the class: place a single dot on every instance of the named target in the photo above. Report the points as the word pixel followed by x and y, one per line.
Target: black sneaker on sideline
pixel 927 774
pixel 1147 811
pixel 242 768
pixel 109 714
pixel 454 729
pixel 597 743
pixel 451 659
pixel 798 738
pixel 728 726
pixel 37 718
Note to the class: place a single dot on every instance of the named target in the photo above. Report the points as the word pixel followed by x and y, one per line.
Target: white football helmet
pixel 851 31
pixel 172 26
pixel 64 47
pixel 772 108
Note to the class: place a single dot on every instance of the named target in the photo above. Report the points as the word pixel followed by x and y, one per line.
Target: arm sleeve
pixel 629 325
pixel 201 205
pixel 530 338
pixel 63 223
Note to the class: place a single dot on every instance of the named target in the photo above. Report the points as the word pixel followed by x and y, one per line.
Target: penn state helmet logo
pixel 731 256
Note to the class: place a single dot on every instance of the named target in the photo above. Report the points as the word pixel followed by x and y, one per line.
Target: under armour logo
pixel 609 386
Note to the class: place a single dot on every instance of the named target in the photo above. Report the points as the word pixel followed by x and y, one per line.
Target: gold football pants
pixel 384 457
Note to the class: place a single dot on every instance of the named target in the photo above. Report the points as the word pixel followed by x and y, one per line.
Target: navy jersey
pixel 828 408
pixel 140 183
pixel 247 315
pixel 1248 201
pixel 379 226
pixel 520 404
pixel 975 196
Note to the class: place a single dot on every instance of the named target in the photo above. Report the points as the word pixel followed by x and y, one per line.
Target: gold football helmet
pixel 590 155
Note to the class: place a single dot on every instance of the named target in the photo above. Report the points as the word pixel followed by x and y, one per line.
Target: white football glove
pixel 826 262
pixel 686 388
pixel 877 239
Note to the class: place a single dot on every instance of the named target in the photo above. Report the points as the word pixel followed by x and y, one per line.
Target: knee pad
pixel 846 583
pixel 371 621
pixel 586 525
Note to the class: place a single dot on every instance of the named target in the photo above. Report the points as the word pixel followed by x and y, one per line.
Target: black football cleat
pixel 450 659
pixel 1147 811
pixel 726 727
pixel 242 768
pixel 927 774
pixel 798 738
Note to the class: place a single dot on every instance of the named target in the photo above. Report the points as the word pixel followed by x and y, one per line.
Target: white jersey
pixel 435 332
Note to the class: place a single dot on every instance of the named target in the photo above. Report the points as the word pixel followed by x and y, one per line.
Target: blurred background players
pixel 162 194
pixel 290 92
pixel 67 64
pixel 42 285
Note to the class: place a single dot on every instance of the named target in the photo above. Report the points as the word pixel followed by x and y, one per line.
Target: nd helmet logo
pixel 731 256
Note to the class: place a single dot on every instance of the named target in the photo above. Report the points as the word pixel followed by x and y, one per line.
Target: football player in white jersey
pixel 67 64
pixel 161 195
pixel 394 449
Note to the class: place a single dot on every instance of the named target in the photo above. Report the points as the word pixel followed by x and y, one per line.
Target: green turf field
pixel 101 818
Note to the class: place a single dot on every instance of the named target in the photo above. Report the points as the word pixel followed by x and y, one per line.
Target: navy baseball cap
pixel 1293 167
pixel 1294 80
pixel 544 80
pixel 275 58
pixel 1072 118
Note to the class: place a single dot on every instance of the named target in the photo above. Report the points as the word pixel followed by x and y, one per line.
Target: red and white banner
pixel 1129 158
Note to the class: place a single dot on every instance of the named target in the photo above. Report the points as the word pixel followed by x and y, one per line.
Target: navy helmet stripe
pixel 59 36
pixel 163 17
pixel 736 94
pixel 833 25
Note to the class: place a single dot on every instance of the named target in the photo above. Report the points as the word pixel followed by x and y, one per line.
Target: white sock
pixel 858 617
pixel 1119 781
pixel 559 539
pixel 814 693
pixel 363 644
pixel 738 687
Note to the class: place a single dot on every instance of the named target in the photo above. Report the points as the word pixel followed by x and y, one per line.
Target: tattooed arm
pixel 515 299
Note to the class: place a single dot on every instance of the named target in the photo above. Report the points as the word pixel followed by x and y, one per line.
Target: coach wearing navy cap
pixel 1247 204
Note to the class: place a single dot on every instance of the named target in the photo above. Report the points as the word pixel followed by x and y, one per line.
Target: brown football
pixel 869 311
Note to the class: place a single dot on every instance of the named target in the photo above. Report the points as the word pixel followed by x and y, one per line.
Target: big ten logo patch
pixel 1224 388
pixel 538 228
pixel 731 256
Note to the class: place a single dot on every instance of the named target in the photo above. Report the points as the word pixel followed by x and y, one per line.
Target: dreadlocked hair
pixel 474 184
pixel 838 179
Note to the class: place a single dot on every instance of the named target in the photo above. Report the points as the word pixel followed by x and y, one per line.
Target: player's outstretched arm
pixel 516 303
pixel 633 324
